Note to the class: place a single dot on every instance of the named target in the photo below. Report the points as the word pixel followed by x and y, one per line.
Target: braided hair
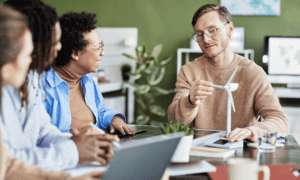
pixel 41 19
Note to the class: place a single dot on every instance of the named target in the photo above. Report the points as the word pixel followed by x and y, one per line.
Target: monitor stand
pixel 223 143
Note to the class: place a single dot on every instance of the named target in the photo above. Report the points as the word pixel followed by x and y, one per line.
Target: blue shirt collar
pixel 54 80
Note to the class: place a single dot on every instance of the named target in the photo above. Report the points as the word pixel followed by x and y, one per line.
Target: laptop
pixel 143 159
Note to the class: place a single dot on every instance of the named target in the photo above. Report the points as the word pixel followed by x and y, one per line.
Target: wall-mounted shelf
pixel 249 53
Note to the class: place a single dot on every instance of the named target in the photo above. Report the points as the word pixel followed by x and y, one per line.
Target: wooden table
pixel 289 154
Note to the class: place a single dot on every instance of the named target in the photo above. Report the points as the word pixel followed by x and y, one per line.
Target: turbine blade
pixel 232 75
pixel 218 86
pixel 231 99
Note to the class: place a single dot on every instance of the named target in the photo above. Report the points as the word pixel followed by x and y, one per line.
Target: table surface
pixel 288 154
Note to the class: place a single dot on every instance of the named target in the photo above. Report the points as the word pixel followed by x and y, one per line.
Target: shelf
pixel 287 92
pixel 109 87
pixel 283 79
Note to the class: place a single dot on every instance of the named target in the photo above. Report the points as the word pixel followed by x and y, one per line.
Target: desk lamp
pixel 222 142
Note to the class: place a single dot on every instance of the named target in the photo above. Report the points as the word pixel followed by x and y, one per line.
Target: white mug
pixel 246 169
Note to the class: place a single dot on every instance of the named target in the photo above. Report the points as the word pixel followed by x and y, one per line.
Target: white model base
pixel 223 143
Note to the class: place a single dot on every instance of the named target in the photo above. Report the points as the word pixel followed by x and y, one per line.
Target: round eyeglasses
pixel 211 32
pixel 98 48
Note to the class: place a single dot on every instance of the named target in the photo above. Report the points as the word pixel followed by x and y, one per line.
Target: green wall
pixel 169 22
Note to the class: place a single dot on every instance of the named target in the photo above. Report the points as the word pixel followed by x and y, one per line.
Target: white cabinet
pixel 116 42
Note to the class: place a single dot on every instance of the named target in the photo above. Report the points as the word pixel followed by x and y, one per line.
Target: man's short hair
pixel 73 25
pixel 222 10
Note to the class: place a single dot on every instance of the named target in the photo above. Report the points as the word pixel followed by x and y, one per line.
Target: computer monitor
pixel 282 58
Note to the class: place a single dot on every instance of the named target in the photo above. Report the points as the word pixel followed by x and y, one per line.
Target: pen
pixel 102 132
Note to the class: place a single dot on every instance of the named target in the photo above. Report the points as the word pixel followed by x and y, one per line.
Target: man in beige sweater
pixel 198 104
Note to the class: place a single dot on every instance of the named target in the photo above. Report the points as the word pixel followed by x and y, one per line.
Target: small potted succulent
pixel 182 151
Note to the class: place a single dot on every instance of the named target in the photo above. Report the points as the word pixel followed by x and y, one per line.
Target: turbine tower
pixel 229 87
pixel 216 141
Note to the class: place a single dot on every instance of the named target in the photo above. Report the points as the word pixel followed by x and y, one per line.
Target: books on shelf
pixel 211 152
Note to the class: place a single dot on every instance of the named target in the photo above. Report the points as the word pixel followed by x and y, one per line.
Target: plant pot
pixel 182 152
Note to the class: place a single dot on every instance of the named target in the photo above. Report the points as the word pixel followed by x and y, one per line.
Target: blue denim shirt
pixel 58 106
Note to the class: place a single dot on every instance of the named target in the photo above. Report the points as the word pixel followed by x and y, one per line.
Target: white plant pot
pixel 182 152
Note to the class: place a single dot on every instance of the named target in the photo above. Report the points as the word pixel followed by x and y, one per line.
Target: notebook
pixel 143 159
pixel 211 152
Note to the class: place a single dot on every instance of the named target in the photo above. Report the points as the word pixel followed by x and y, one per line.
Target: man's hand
pixel 239 134
pixel 117 123
pixel 96 175
pixel 199 90
pixel 94 147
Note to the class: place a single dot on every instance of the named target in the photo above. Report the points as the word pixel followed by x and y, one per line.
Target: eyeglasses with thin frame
pixel 211 32
pixel 98 48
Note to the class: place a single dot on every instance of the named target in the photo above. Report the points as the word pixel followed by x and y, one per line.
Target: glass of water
pixel 267 141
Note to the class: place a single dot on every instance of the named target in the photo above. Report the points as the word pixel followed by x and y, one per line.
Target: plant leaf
pixel 157 75
pixel 141 119
pixel 134 75
pixel 129 56
pixel 140 50
pixel 156 50
pixel 159 91
pixel 142 89
pixel 163 62
pixel 141 103
pixel 158 110
pixel 140 68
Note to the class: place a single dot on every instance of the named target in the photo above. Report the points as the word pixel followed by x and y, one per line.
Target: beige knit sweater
pixel 254 97
pixel 12 168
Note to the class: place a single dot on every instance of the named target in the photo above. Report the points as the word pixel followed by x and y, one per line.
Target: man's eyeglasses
pixel 98 48
pixel 211 32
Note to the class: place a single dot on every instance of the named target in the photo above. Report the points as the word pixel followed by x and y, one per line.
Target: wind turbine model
pixel 222 142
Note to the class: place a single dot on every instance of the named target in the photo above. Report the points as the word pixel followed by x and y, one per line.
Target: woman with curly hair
pixel 73 98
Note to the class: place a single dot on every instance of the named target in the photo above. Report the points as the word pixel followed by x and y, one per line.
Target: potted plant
pixel 182 151
pixel 149 72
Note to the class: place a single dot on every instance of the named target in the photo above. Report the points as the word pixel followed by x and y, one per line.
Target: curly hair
pixel 222 10
pixel 73 25
pixel 41 21
pixel 12 28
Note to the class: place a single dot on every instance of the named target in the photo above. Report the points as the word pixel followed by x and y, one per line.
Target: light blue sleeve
pixel 105 115
pixel 36 140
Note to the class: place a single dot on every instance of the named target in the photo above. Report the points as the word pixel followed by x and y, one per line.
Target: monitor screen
pixel 283 55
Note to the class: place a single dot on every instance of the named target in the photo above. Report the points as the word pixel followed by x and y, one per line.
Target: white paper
pixel 195 168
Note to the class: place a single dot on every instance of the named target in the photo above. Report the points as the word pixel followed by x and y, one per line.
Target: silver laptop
pixel 143 159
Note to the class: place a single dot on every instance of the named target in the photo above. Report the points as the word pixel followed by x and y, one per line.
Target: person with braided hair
pixel 15 58
pixel 27 129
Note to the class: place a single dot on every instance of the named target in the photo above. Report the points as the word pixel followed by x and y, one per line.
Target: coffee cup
pixel 246 169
